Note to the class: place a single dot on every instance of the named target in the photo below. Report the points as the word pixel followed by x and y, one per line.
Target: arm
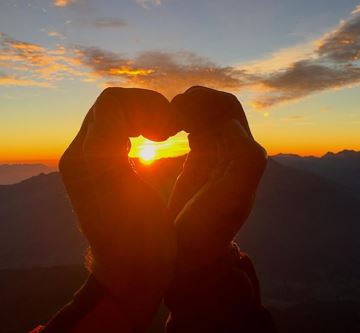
pixel 122 217
pixel 214 194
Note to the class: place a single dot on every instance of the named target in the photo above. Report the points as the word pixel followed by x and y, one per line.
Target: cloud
pixel 56 34
pixel 289 74
pixel 342 44
pixel 34 63
pixel 108 22
pixel 166 72
pixel 279 59
pixel 13 80
pixel 147 3
pixel 304 78
pixel 356 10
pixel 333 63
pixel 63 3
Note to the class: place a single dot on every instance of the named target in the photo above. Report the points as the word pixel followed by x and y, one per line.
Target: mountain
pixel 297 215
pixel 37 225
pixel 302 236
pixel 14 173
pixel 342 167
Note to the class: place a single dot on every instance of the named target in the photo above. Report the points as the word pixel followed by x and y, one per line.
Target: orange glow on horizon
pixel 148 151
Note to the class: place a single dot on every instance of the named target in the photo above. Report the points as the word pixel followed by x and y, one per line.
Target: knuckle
pixel 234 101
pixel 108 94
pixel 109 91
pixel 232 98
pixel 193 88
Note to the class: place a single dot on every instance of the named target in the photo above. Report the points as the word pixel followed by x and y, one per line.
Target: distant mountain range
pixel 14 173
pixel 342 167
pixel 302 235
pixel 37 225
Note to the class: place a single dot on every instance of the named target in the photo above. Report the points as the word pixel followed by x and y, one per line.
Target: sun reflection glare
pixel 147 153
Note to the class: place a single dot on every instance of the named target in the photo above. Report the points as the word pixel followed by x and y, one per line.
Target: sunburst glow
pixel 147 153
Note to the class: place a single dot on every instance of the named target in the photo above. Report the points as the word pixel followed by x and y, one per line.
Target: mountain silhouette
pixel 14 173
pixel 38 227
pixel 342 167
pixel 302 235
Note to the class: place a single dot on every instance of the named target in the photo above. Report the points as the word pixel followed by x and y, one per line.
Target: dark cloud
pixel 304 78
pixel 333 64
pixel 167 72
pixel 343 44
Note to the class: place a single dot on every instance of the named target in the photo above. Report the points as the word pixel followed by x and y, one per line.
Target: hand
pixel 214 193
pixel 124 219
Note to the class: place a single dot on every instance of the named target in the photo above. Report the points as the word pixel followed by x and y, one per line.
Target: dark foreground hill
pixel 14 173
pixel 302 235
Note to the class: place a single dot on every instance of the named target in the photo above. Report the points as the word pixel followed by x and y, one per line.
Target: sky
pixel 294 66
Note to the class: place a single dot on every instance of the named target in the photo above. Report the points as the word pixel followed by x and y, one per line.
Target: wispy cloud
pixel 147 3
pixel 333 63
pixel 14 80
pixel 290 74
pixel 63 3
pixel 166 72
pixel 279 59
pixel 55 34
pixel 107 22
pixel 34 64
pixel 356 10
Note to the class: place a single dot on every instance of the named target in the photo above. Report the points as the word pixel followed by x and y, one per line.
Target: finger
pixel 218 210
pixel 201 108
pixel 197 169
pixel 146 112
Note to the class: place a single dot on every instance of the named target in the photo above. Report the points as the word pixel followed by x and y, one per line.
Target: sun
pixel 147 153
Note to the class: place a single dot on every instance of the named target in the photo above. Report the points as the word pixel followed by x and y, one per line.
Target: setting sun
pixel 147 153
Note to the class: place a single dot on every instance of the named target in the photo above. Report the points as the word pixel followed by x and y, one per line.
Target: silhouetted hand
pixel 124 220
pixel 214 193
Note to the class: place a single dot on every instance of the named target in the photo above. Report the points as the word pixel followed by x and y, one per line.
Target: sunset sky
pixel 294 65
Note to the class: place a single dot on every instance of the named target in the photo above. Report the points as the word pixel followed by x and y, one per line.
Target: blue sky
pixel 281 58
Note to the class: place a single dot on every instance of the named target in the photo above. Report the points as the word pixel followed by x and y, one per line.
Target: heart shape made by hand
pixel 131 112
pixel 132 233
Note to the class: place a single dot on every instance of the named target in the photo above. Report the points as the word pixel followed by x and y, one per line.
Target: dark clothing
pixel 222 297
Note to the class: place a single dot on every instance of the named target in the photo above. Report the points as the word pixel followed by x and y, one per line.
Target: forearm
pixel 212 218
pixel 77 182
